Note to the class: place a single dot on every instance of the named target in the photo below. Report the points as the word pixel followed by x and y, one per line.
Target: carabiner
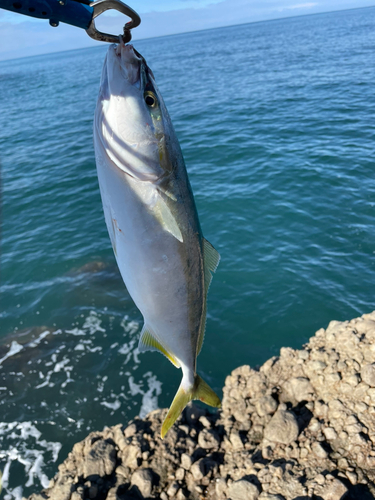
pixel 101 6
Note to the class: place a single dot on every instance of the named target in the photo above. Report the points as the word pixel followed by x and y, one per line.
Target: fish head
pixel 162 124
pixel 130 115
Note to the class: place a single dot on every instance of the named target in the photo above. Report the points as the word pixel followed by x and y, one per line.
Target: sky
pixel 23 36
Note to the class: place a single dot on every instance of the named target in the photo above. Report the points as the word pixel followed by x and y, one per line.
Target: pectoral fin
pixel 167 220
pixel 149 342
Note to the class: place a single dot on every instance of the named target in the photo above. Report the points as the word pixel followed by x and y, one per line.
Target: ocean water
pixel 276 122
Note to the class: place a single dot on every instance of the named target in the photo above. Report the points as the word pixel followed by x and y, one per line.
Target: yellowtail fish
pixel 152 220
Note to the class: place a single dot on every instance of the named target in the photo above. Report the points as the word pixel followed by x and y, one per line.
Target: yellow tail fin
pixel 200 390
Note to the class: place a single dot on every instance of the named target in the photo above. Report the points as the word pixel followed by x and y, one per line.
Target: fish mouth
pixel 134 67
pixel 146 75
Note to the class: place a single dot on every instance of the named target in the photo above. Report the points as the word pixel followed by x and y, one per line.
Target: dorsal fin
pixel 211 258
pixel 149 342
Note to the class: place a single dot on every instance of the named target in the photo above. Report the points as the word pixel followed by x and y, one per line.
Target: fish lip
pixel 142 69
pixel 146 74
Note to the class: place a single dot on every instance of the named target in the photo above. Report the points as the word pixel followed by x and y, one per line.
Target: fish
pixel 152 220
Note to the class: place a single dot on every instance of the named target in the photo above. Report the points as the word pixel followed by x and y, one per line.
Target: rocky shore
pixel 300 427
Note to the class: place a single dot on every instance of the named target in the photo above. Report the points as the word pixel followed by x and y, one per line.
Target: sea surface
pixel 277 124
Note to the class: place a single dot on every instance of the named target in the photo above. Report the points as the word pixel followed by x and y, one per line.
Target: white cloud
pixel 297 6
pixel 169 5
pixel 38 37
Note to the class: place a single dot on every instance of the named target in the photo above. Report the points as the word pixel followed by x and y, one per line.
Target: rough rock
pixel 302 426
pixel 335 491
pixel 282 428
pixel 100 460
pixel 243 490
pixel 368 374
pixel 143 480
pixel 268 496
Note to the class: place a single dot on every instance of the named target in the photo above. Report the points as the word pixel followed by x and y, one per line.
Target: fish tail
pixel 199 390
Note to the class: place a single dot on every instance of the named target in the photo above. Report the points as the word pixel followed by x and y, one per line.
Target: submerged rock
pixel 303 426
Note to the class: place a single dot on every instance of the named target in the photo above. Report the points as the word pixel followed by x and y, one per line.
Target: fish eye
pixel 150 99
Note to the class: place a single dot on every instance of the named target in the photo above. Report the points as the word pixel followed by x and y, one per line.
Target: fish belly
pixel 160 275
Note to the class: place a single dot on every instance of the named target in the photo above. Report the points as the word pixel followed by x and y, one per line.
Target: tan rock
pixel 336 490
pixel 220 488
pixel 197 470
pixel 266 405
pixel 173 490
pixel 208 439
pixel 282 428
pixel 243 490
pixel 297 389
pixel 100 460
pixel 143 480
pixel 318 450
pixel 368 374
pixel 131 456
pixel 186 461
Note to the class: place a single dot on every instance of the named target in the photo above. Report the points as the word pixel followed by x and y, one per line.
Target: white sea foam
pixel 130 327
pixel 94 349
pixel 128 347
pixel 76 331
pixel 113 406
pixel 149 396
pixel 59 365
pixel 38 340
pixel 29 450
pixel 15 494
pixel 92 323
pixel 101 383
pixel 15 348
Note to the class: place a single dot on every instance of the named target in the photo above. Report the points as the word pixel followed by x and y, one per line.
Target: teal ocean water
pixel 276 122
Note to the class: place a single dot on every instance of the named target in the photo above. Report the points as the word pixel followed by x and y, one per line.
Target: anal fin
pixel 149 342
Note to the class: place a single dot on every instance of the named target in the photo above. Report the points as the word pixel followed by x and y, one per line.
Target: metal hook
pixel 101 6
